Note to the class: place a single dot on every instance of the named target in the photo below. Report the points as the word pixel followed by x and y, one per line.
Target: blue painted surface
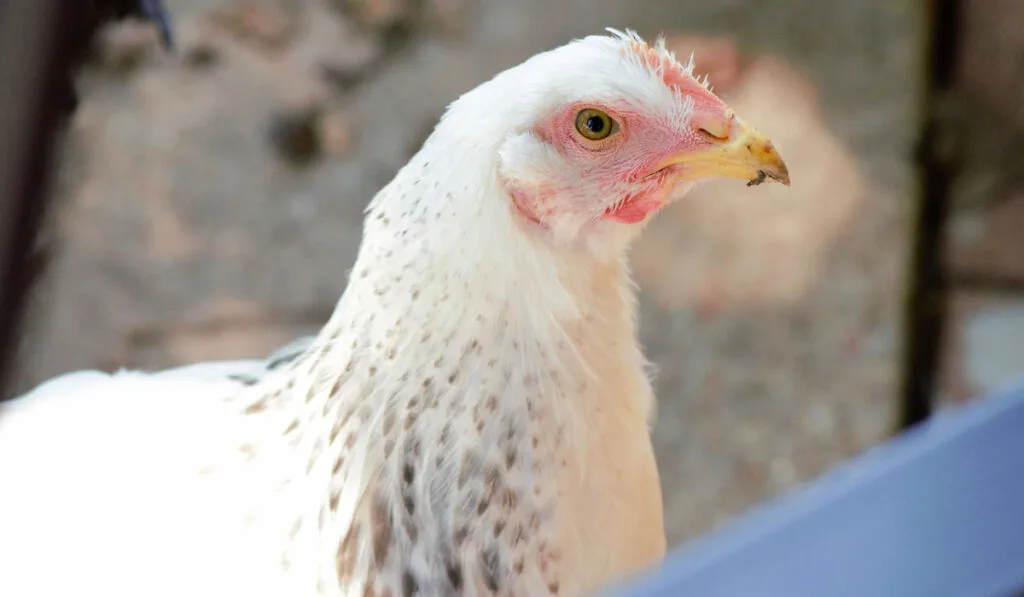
pixel 935 512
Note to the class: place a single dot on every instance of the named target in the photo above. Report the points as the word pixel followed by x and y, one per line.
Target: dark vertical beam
pixel 42 42
pixel 31 83
pixel 927 300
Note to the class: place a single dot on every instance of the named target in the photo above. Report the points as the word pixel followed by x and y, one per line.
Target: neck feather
pixel 444 250
pixel 461 341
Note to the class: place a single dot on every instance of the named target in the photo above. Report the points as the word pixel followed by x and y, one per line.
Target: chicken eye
pixel 595 124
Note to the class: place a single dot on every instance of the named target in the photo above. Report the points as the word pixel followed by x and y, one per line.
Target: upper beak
pixel 744 153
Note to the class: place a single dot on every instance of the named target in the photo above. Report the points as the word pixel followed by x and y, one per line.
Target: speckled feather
pixel 473 419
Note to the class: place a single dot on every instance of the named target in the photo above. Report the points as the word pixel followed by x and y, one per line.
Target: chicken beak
pixel 744 153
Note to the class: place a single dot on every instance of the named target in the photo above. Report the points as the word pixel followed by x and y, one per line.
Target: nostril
pixel 719 135
pixel 712 125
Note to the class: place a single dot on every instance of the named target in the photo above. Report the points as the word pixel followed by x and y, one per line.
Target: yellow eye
pixel 594 124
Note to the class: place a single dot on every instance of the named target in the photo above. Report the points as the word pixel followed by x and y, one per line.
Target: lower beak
pixel 745 154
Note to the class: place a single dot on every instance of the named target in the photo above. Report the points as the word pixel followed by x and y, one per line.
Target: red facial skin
pixel 636 208
pixel 623 167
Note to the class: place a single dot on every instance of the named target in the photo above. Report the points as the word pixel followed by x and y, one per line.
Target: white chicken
pixel 472 420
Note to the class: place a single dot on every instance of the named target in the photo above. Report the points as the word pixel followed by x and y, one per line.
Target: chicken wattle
pixel 472 420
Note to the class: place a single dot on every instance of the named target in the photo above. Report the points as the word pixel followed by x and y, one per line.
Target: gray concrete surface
pixel 773 315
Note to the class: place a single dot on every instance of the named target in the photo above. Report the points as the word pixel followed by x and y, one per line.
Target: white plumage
pixel 473 419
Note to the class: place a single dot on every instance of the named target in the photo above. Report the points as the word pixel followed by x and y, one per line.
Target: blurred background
pixel 208 205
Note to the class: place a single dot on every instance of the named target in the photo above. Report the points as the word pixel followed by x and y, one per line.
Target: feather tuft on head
pixel 656 57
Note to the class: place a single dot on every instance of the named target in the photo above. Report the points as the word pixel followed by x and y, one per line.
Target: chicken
pixel 474 417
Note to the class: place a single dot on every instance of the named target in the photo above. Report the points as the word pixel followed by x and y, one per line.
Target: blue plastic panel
pixel 935 512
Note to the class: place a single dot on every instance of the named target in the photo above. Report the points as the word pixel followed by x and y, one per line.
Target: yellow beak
pixel 744 153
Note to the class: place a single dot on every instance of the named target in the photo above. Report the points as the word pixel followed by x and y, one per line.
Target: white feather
pixel 469 357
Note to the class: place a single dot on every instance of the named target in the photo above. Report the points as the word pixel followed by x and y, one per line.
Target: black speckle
pixel 509 499
pixel 409 585
pixel 518 535
pixel 256 407
pixel 455 575
pixel 380 524
pixel 491 566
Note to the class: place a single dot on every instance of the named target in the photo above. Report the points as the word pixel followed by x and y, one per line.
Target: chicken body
pixel 429 462
pixel 473 419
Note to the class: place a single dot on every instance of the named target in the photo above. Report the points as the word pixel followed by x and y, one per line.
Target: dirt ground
pixel 211 206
